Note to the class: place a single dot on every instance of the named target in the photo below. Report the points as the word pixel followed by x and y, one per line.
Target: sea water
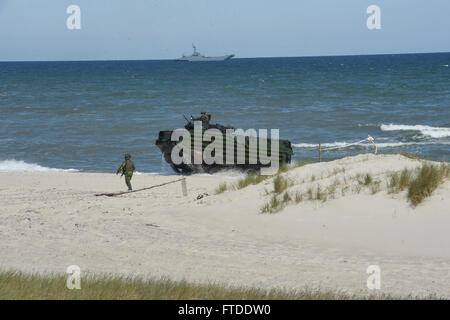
pixel 86 115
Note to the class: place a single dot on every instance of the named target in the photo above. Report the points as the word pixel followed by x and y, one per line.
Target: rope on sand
pixel 155 186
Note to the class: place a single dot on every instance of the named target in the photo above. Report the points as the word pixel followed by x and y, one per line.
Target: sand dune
pixel 50 220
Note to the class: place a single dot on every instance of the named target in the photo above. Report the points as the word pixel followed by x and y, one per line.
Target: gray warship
pixel 198 57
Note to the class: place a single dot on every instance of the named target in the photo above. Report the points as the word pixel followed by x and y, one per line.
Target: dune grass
pixel 298 197
pixel 256 178
pixel 280 184
pixel 274 205
pixel 287 197
pixel 251 179
pixel 400 182
pixel 221 188
pixel 368 179
pixel 20 286
pixel 426 181
pixel 420 182
pixel 375 187
pixel 309 194
pixel 320 194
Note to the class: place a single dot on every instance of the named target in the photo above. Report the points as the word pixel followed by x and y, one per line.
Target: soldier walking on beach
pixel 127 169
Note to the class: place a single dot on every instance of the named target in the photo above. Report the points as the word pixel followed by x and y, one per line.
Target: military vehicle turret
pixel 252 162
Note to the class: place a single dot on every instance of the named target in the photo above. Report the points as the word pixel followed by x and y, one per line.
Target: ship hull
pixel 205 59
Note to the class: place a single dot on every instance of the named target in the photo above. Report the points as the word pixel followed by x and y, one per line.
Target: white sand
pixel 50 220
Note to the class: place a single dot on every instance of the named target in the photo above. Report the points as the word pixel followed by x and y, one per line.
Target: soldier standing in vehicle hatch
pixel 205 119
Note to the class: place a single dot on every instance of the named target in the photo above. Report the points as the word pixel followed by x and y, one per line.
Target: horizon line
pixel 236 58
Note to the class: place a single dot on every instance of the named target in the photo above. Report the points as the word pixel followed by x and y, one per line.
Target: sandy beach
pixel 50 220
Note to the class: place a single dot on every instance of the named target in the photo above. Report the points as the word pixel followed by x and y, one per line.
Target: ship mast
pixel 195 49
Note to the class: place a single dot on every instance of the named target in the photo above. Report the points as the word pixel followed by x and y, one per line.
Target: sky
pixel 36 30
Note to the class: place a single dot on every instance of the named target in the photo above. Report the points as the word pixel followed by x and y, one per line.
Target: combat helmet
pixel 127 156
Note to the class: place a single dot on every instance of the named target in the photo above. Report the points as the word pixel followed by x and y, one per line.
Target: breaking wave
pixel 337 145
pixel 433 132
pixel 325 145
pixel 19 165
pixel 146 173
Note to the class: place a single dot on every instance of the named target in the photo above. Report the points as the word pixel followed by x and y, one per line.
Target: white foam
pixel 399 144
pixel 327 145
pixel 338 145
pixel 19 165
pixel 144 173
pixel 433 132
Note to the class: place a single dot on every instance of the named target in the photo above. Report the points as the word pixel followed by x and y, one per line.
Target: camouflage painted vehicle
pixel 165 144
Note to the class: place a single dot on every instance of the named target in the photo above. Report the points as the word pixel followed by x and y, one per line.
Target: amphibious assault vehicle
pixel 252 162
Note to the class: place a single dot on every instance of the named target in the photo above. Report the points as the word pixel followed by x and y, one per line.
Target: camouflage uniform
pixel 204 118
pixel 127 169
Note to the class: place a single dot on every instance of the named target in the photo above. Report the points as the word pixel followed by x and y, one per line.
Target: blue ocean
pixel 85 115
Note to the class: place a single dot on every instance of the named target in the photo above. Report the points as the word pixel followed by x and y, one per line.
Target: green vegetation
pixel 274 205
pixel 400 182
pixel 405 179
pixel 20 286
pixel 332 188
pixel 221 188
pixel 394 182
pixel 420 182
pixel 336 171
pixel 375 187
pixel 364 180
pixel 309 193
pixel 298 197
pixel 320 195
pixel 251 179
pixel 427 180
pixel 357 189
pixel 286 197
pixel 367 179
pixel 255 178
pixel 265 208
pixel 280 184
pixel 284 168
pixel 344 190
